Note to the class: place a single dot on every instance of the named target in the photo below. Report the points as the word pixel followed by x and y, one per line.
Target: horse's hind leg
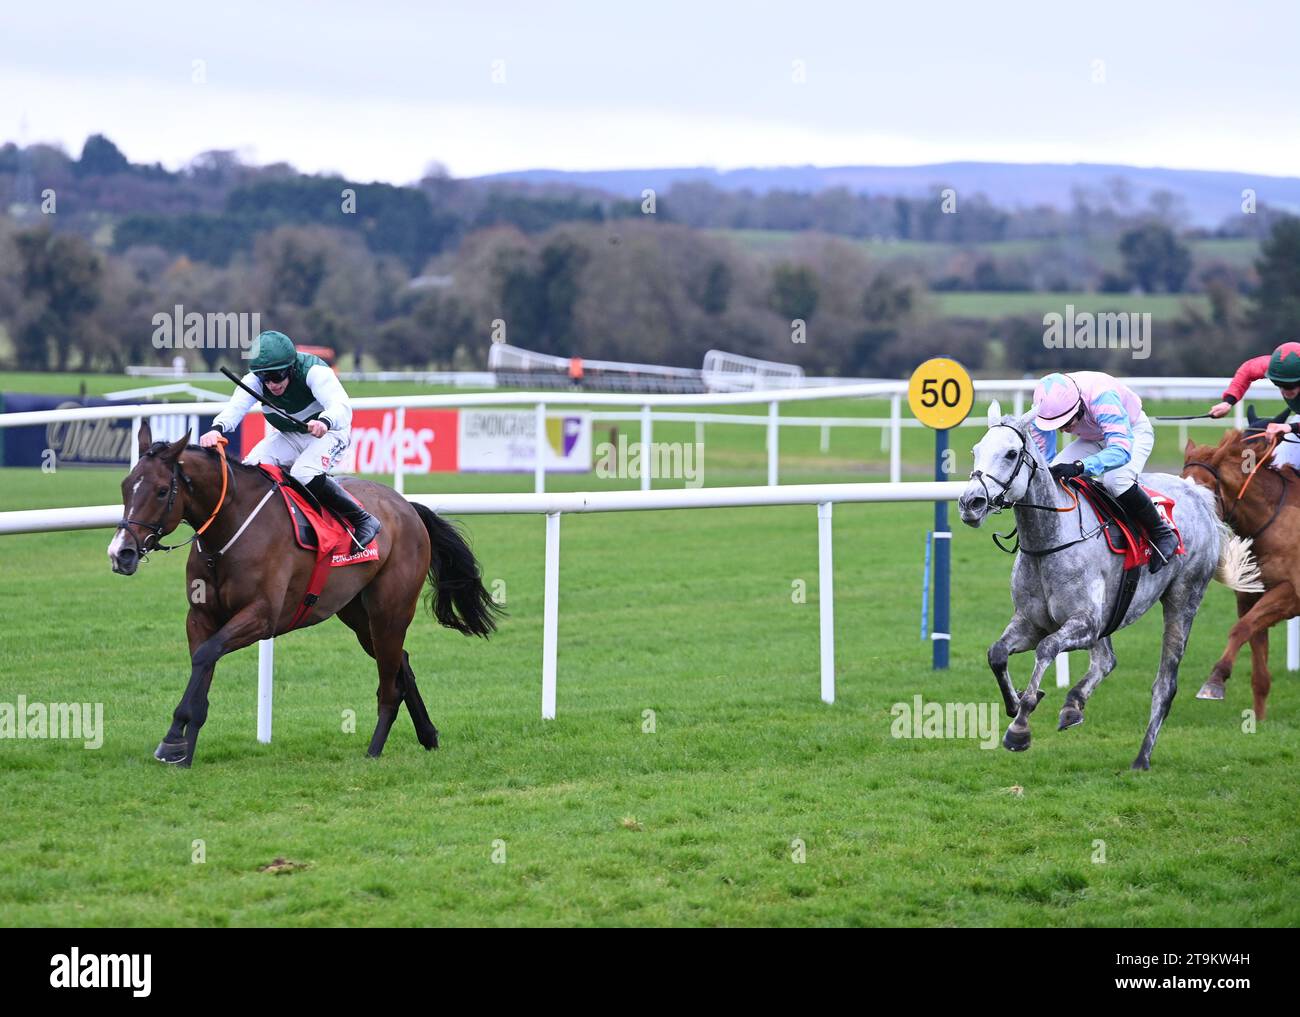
pixel 1180 611
pixel 388 659
pixel 1020 634
pixel 1260 678
pixel 354 616
pixel 424 729
pixel 1101 662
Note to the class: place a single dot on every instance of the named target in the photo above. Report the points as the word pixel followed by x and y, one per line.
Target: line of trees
pixel 630 290
pixel 415 276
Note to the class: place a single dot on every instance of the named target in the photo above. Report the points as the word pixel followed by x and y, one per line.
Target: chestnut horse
pixel 246 577
pixel 1262 504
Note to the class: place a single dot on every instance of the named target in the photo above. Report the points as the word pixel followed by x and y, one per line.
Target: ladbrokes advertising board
pixel 449 441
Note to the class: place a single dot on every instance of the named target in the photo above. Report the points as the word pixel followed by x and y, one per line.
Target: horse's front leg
pixel 1020 634
pixel 1273 606
pixel 1214 685
pixel 247 626
pixel 1075 634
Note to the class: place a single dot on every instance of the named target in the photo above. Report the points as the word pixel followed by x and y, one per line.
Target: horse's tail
pixel 456 594
pixel 1237 569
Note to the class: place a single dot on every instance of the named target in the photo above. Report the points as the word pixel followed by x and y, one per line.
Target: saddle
pixel 316 530
pixel 1123 536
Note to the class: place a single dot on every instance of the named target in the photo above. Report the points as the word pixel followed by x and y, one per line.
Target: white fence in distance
pixel 605 404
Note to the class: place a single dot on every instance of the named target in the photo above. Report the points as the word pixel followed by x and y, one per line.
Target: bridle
pixel 1226 513
pixel 1024 459
pixel 143 548
pixel 998 503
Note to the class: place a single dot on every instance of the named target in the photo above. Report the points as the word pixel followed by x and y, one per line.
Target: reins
pixel 1259 462
pixel 1229 513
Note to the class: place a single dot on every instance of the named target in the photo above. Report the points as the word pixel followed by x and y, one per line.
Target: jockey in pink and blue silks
pixel 1112 441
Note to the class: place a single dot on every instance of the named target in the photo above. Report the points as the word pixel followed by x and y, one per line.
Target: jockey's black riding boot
pixel 331 495
pixel 1141 508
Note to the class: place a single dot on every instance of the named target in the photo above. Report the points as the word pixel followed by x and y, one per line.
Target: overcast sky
pixel 380 90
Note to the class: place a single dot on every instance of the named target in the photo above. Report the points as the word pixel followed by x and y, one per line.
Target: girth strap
pixel 1119 607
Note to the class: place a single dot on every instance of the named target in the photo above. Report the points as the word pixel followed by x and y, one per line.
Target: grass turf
pixel 691 615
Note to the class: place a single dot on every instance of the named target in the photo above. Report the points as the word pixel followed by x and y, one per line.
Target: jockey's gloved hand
pixel 1064 471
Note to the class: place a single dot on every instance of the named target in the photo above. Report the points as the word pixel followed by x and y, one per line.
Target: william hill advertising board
pixel 82 442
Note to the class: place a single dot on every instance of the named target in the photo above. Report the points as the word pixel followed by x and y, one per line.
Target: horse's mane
pixel 158 446
pixel 235 466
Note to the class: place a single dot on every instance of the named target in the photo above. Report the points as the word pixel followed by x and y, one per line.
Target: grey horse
pixel 1064 577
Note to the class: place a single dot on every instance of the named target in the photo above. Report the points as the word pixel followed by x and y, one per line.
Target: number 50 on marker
pixel 940 393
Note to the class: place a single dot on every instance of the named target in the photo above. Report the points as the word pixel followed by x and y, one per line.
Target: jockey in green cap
pixel 1283 370
pixel 306 389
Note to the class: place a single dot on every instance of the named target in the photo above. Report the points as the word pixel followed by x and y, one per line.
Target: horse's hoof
pixel 432 743
pixel 1140 764
pixel 1016 741
pixel 1211 690
pixel 1070 717
pixel 172 753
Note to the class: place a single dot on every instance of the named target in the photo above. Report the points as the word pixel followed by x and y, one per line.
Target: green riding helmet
pixel 272 350
pixel 1284 365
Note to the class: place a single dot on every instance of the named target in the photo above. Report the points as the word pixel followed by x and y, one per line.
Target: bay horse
pixel 1064 579
pixel 1263 504
pixel 246 577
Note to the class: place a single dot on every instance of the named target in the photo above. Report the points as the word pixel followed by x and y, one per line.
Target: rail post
pixel 773 425
pixel 550 615
pixel 539 451
pixel 941 634
pixel 826 599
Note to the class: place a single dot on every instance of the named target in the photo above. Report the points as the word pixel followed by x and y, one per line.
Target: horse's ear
pixel 995 413
pixel 1188 449
pixel 146 436
pixel 173 451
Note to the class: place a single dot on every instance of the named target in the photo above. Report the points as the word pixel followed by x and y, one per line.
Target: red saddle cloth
pixel 1131 541
pixel 329 537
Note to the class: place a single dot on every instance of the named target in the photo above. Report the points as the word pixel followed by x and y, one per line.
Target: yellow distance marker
pixel 940 393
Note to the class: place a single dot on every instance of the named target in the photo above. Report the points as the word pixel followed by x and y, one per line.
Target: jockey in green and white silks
pixel 309 391
pixel 1113 439
pixel 1283 370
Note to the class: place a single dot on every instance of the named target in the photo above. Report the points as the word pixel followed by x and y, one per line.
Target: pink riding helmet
pixel 1056 401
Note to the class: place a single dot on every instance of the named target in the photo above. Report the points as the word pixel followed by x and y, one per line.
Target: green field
pixel 689 615
pixel 932 257
pixel 1238 252
pixel 1161 306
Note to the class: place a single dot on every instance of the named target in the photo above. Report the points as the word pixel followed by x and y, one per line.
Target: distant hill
pixel 1209 196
